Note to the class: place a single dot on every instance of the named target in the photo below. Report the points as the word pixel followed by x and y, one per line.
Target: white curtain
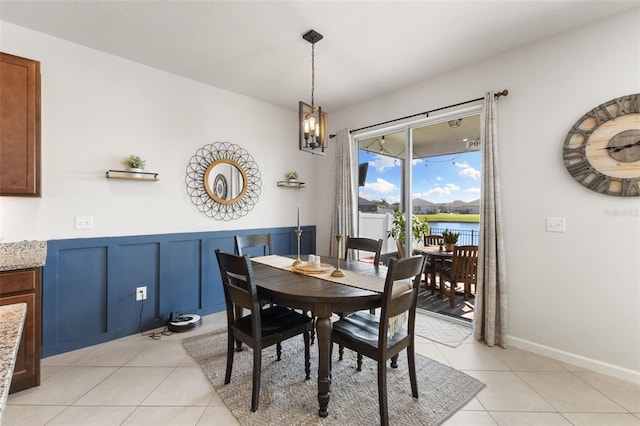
pixel 345 191
pixel 491 302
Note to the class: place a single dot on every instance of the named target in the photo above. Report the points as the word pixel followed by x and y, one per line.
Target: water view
pixel 469 232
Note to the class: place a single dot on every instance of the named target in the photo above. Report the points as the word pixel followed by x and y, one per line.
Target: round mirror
pixel 225 181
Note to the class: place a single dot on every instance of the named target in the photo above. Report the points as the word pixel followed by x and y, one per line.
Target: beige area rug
pixel 286 398
pixel 442 331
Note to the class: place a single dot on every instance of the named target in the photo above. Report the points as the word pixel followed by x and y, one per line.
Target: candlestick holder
pixel 298 261
pixel 338 272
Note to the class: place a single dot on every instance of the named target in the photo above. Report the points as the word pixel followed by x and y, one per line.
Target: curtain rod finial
pixel 504 92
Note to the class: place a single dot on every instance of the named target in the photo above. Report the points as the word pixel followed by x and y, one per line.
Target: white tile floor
pixel 140 381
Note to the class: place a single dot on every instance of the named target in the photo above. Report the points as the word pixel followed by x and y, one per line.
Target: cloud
pixel 383 162
pixel 440 191
pixel 473 190
pixel 468 171
pixel 380 186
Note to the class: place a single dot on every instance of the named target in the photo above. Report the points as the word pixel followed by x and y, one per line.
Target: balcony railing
pixel 373 225
pixel 466 237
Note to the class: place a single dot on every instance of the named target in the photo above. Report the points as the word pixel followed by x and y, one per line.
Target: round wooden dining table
pixel 323 298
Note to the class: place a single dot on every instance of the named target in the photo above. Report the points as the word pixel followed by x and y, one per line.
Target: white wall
pixel 575 295
pixel 97 109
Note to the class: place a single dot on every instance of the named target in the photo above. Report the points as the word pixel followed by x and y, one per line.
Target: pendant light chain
pixel 313 73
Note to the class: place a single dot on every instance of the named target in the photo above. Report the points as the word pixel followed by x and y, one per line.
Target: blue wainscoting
pixel 89 284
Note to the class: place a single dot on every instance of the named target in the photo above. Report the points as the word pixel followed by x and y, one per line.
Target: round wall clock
pixel 602 149
pixel 220 186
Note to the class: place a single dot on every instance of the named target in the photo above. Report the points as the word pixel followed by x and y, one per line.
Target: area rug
pixel 442 331
pixel 287 398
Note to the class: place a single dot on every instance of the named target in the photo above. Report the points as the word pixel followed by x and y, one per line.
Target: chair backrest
pixel 464 267
pixel 432 240
pixel 238 284
pixel 244 242
pixel 400 292
pixel 364 244
pixel 400 247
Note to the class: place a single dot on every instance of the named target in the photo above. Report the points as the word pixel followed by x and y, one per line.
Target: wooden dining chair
pixel 259 241
pixel 367 334
pixel 256 244
pixel 261 328
pixel 463 270
pixel 364 244
pixel 429 275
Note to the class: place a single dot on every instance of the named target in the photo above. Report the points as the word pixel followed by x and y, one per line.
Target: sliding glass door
pixel 428 170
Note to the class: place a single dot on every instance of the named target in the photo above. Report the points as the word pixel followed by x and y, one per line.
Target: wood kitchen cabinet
pixel 19 126
pixel 18 286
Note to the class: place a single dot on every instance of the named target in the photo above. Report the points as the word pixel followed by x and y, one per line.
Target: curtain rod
pixel 504 92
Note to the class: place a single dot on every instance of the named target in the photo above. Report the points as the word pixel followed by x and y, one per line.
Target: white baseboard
pixel 578 360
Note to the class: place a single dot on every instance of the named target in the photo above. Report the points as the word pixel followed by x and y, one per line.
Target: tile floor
pixel 140 381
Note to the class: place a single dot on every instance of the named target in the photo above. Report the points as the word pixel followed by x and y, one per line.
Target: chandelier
pixel 312 121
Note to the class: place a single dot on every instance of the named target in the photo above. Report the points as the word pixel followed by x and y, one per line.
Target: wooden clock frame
pixel 602 149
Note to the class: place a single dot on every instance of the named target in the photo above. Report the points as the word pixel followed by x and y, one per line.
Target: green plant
pixel 450 237
pixel 135 162
pixel 419 227
pixel 292 175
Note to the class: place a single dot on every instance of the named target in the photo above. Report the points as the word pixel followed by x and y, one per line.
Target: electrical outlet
pixel 141 293
pixel 556 224
pixel 84 222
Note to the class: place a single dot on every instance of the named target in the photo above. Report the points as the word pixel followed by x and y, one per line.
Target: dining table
pixel 361 287
pixel 437 255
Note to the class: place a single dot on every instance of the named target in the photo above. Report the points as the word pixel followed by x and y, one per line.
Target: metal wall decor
pixel 223 181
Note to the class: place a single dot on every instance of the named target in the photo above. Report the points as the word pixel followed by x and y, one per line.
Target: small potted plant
pixel 292 176
pixel 135 163
pixel 450 239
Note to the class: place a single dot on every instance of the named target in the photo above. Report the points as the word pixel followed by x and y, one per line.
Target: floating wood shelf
pixel 291 184
pixel 125 174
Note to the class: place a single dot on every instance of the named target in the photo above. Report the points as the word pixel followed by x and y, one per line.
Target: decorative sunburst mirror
pixel 223 181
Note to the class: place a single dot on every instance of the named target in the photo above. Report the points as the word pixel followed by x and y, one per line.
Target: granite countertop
pixel 11 323
pixel 22 255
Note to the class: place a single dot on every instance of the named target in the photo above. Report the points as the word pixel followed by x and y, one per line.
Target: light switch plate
pixel 556 224
pixel 84 222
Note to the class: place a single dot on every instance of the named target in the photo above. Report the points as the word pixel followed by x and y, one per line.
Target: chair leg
pixel 394 361
pixel 411 359
pixel 452 295
pixel 230 351
pixel 257 369
pixel 307 356
pixel 359 366
pixel 279 351
pixel 239 311
pixel 382 393
pixel 340 352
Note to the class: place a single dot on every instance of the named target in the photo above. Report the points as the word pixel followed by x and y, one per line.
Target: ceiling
pixel 447 137
pixel 256 48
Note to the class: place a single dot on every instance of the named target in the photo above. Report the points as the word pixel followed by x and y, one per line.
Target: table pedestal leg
pixel 323 332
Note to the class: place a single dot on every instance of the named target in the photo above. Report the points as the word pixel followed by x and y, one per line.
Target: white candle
pixel 298 217
pixel 339 226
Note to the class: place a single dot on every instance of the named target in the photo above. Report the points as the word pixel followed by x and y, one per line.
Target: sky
pixel 437 179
